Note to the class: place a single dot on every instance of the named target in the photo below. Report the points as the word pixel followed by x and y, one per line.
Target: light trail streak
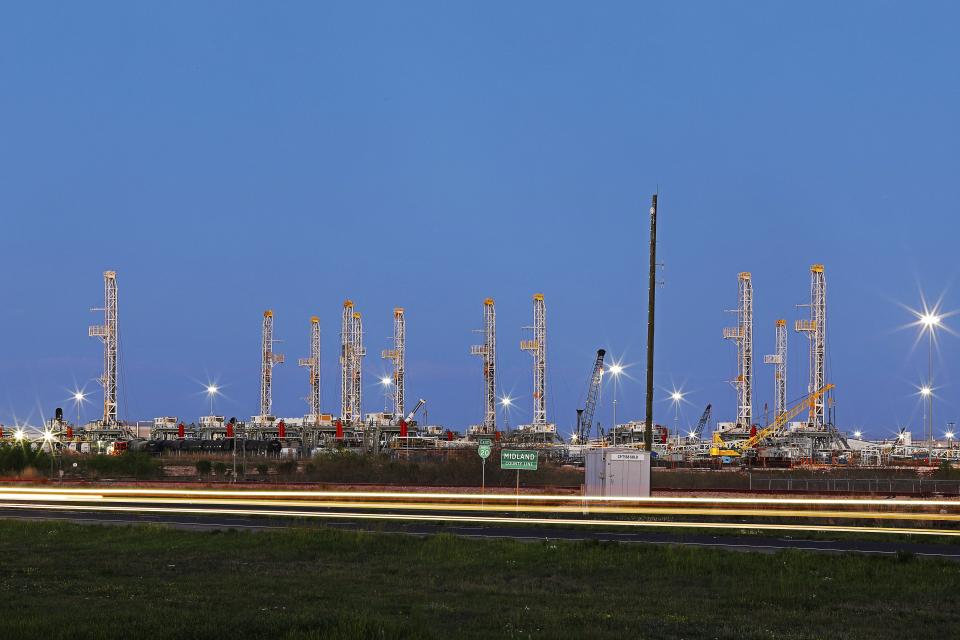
pixel 486 497
pixel 500 519
pixel 447 506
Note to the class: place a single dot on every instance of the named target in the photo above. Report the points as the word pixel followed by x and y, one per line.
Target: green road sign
pixel 485 442
pixel 483 451
pixel 518 459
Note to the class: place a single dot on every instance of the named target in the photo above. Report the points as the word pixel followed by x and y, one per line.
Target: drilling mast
pixel 488 351
pixel 268 361
pixel 742 335
pixel 313 367
pixel 398 356
pixel 538 349
pixel 816 330
pixel 779 360
pixel 357 351
pixel 346 363
pixel 108 332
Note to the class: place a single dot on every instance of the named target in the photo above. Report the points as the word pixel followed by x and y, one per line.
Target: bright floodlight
pixel 79 396
pixel 930 320
pixel 47 435
pixel 212 389
pixel 506 401
pixel 925 391
pixel 18 435
pixel 857 435
pixel 385 381
pixel 949 435
pixel 615 369
pixel 676 396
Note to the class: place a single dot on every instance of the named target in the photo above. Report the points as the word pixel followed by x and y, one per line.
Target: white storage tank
pixel 617 472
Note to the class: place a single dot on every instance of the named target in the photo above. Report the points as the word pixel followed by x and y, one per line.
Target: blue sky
pixel 228 157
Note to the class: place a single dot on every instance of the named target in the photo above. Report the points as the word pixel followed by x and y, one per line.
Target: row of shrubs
pixel 15 459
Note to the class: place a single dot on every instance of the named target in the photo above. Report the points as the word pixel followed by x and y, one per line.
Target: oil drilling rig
pixel 742 336
pixel 488 354
pixel 539 430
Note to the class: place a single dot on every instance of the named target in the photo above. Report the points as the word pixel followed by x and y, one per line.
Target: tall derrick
pixel 346 363
pixel 779 360
pixel 108 332
pixel 537 347
pixel 267 361
pixel 488 352
pixel 816 330
pixel 397 355
pixel 742 335
pixel 313 367
pixel 358 352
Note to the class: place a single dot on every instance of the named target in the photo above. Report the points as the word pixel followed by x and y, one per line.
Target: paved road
pixel 523 533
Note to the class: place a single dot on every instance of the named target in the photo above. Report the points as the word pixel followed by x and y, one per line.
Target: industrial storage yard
pixel 801 434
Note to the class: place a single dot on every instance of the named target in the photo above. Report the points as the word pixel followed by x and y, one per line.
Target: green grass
pixel 70 581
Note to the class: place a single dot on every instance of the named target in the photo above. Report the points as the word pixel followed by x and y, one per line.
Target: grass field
pixel 73 581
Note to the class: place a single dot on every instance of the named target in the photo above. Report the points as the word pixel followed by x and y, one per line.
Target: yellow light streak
pixel 503 520
pixel 487 497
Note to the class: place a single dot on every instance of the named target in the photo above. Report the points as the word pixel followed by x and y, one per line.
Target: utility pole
pixel 651 306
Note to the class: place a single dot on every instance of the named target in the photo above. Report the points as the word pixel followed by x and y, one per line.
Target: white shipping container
pixel 617 472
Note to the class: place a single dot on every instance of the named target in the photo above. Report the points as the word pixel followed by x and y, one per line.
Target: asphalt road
pixel 754 544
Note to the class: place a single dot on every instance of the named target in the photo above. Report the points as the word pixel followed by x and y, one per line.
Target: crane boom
pixel 704 419
pixel 585 424
pixel 721 448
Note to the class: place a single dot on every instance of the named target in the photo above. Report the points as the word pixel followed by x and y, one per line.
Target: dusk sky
pixel 226 158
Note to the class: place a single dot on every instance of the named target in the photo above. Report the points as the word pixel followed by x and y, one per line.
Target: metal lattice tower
pixel 742 335
pixel 488 351
pixel 816 330
pixel 268 360
pixel 779 360
pixel 398 355
pixel 358 352
pixel 313 367
pixel 346 363
pixel 108 332
pixel 538 349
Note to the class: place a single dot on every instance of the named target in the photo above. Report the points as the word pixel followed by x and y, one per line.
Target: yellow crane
pixel 721 448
